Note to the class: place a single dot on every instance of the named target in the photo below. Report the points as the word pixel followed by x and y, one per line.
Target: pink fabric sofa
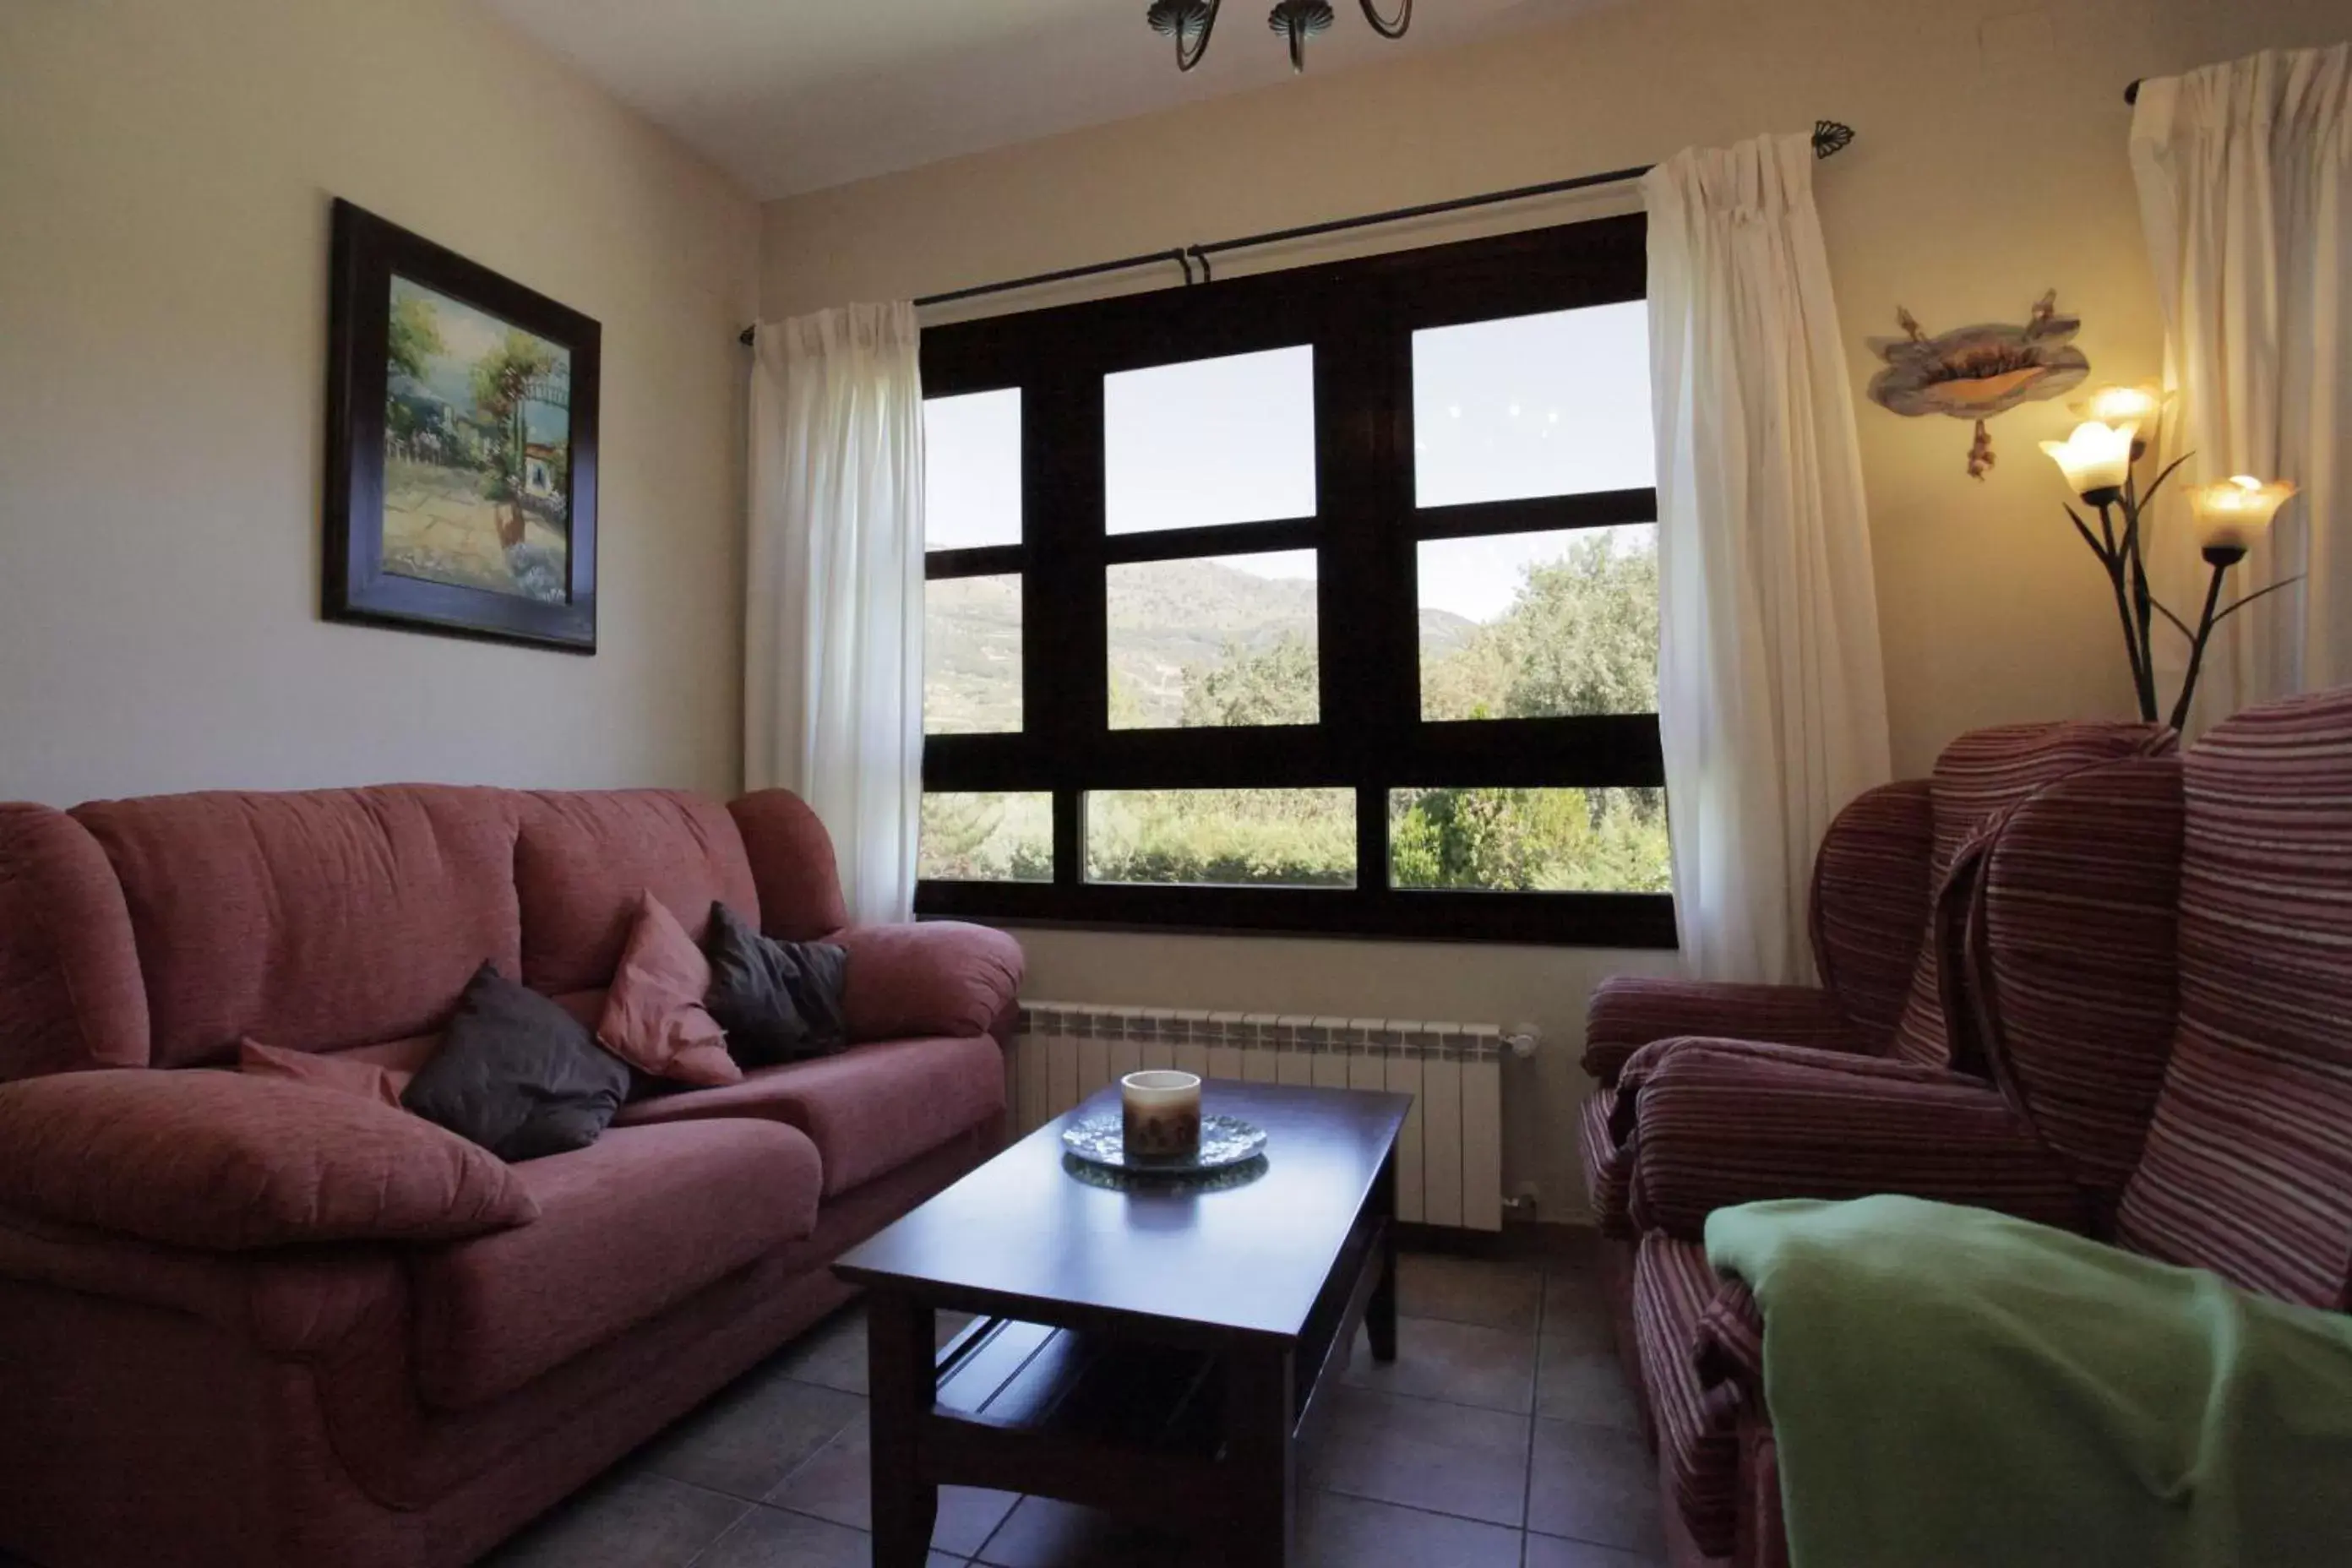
pixel 2151 957
pixel 403 1403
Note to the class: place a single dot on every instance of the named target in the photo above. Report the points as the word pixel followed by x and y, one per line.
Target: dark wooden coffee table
pixel 1151 1353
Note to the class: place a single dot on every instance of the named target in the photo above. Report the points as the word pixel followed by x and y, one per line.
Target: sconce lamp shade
pixel 2233 513
pixel 2095 458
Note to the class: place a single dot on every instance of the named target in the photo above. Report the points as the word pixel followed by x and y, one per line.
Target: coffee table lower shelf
pixel 1196 1437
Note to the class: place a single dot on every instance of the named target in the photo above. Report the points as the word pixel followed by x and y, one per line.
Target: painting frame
pixel 367 254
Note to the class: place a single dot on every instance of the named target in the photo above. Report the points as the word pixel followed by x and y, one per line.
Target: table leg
pixel 1259 1409
pixel 1380 1311
pixel 902 1383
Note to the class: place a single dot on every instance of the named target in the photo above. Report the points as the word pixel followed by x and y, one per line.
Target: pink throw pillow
pixel 367 1079
pixel 654 1019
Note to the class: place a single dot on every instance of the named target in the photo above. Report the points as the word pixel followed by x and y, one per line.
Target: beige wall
pixel 165 170
pixel 1990 165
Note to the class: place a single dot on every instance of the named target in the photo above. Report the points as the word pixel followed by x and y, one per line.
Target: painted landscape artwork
pixel 477 449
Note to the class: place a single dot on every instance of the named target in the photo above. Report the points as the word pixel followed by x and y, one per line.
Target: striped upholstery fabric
pixel 2247 1169
pixel 1629 1012
pixel 1870 884
pixel 1718 1123
pixel 1697 1423
pixel 2069 960
pixel 1979 776
pixel 1607 1163
pixel 1607 1122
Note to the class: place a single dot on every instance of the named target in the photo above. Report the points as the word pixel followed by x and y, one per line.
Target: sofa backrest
pixel 2066 976
pixel 311 921
pixel 70 997
pixel 158 932
pixel 2248 1168
pixel 1980 775
pixel 581 857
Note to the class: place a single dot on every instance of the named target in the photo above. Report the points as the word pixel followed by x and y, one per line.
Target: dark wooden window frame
pixel 1360 317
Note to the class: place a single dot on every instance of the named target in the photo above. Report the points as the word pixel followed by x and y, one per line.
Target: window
pixel 1316 601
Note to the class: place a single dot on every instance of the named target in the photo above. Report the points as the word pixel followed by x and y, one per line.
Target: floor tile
pixel 1470 1290
pixel 1573 1285
pixel 1450 1459
pixel 771 1538
pixel 1576 1383
pixel 832 1354
pixel 836 1484
pixel 1551 1551
pixel 1042 1534
pixel 1463 1363
pixel 1595 1484
pixel 1337 1532
pixel 754 1434
pixel 632 1520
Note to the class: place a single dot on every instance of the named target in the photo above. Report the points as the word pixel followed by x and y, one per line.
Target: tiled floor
pixel 1503 1436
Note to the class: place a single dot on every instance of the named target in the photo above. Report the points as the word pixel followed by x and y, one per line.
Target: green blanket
pixel 1952 1388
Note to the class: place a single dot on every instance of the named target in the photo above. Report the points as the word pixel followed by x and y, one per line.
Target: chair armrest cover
pixel 940 977
pixel 1872 885
pixel 223 1161
pixel 1715 1127
pixel 1629 1012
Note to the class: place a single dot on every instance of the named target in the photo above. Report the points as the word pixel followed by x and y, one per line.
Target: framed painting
pixel 461 445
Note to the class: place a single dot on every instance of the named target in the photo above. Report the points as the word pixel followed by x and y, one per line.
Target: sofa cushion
pixel 627 1228
pixel 869 1110
pixel 226 1163
pixel 653 1017
pixel 519 1073
pixel 312 920
pixel 339 1072
pixel 584 859
pixel 71 996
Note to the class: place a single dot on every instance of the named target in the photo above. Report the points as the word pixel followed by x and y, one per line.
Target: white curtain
pixel 1771 703
pixel 833 683
pixel 2245 185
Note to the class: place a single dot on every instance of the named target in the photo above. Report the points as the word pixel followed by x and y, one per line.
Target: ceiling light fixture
pixel 1189 23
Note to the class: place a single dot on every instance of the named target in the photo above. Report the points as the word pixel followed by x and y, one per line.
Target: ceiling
pixel 796 95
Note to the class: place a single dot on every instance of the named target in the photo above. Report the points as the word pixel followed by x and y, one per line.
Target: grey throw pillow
pixel 778 1001
pixel 517 1074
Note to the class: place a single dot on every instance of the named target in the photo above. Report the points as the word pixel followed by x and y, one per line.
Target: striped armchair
pixel 1879 1012
pixel 2154 959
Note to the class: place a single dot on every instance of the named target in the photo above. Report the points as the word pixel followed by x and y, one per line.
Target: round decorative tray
pixel 1226 1140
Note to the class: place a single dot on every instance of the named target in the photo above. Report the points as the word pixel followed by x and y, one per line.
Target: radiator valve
pixel 1523 1039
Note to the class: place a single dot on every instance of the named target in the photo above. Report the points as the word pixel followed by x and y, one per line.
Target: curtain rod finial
pixel 751 335
pixel 2131 93
pixel 1831 137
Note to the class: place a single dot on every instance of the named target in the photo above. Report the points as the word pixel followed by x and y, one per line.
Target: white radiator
pixel 1450 1159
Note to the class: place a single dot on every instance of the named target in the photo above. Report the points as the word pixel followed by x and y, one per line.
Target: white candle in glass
pixel 1160 1114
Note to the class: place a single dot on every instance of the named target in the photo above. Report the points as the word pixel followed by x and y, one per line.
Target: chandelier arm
pixel 1386 29
pixel 1185 61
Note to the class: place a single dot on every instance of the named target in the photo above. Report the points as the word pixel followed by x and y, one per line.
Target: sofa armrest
pixel 221 1162
pixel 1629 1012
pixel 940 977
pixel 1716 1127
pixel 296 1306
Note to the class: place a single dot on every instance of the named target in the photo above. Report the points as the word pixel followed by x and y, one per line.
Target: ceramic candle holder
pixel 1161 1115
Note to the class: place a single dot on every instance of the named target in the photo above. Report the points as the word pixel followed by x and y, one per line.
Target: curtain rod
pixel 1829 138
